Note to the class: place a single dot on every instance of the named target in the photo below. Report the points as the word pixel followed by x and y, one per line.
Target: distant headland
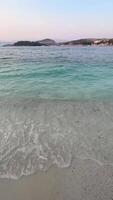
pixel 50 42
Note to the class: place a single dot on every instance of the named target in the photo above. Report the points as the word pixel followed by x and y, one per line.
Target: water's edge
pixel 35 135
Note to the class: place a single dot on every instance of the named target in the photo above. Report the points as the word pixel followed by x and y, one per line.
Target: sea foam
pixel 35 135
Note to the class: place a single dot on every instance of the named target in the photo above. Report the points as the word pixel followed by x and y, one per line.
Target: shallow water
pixel 73 73
pixel 56 105
pixel 37 134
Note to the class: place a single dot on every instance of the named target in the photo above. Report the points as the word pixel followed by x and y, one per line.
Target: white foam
pixel 36 135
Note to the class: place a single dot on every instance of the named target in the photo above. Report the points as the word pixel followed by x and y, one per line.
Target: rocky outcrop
pixel 45 42
pixel 79 42
pixel 108 42
pixel 102 42
pixel 26 43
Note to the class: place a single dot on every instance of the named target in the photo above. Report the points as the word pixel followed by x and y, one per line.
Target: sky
pixel 56 19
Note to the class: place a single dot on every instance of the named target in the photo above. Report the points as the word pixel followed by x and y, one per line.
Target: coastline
pixel 51 42
pixel 84 179
pixel 42 134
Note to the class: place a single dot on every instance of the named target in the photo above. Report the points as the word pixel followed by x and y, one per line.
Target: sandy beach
pixel 56 150
pixel 84 180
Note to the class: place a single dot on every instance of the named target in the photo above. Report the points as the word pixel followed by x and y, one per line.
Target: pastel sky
pixel 57 19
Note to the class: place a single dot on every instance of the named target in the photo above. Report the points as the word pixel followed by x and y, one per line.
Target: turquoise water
pixel 37 134
pixel 70 73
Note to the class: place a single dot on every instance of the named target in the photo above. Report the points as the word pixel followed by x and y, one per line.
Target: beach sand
pixel 84 180
pixel 89 175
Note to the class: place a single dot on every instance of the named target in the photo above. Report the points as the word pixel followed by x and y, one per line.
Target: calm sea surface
pixel 70 73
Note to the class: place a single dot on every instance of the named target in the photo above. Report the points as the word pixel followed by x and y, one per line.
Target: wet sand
pixel 81 171
pixel 84 180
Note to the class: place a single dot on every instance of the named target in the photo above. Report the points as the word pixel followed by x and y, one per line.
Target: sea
pixel 56 106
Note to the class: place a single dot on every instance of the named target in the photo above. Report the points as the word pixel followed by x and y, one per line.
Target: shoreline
pixel 74 161
pixel 85 179
pixel 36 135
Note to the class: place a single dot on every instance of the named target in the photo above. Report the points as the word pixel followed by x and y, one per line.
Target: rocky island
pixel 45 42
pixel 102 42
pixel 50 42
